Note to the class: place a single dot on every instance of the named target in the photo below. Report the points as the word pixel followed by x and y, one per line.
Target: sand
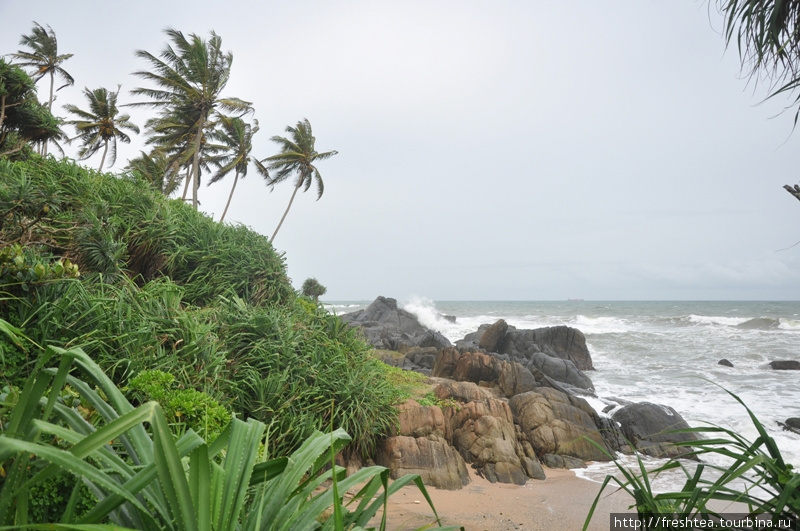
pixel 561 502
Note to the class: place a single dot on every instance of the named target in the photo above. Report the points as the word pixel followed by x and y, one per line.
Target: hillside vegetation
pixel 141 282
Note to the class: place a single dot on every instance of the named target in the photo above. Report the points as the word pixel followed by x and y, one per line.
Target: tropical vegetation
pixel 313 289
pixel 157 369
pixel 297 157
pixel 101 126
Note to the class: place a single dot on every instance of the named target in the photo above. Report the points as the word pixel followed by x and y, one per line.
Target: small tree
pixel 313 289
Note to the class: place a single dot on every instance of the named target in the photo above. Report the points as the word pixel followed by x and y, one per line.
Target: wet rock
pixel 492 338
pixel 785 365
pixel 651 429
pixel 725 363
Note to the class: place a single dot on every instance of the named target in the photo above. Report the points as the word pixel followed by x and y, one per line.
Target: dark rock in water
pixel 385 326
pixel 785 365
pixel 449 318
pixel 492 338
pixel 793 422
pixel 650 428
pixel 725 362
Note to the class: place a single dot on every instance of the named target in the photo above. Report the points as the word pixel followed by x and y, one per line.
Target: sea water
pixel 663 352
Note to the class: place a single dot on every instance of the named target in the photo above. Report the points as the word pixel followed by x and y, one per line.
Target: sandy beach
pixel 561 502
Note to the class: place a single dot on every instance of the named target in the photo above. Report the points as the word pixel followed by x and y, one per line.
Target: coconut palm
pixel 189 77
pixel 156 169
pixel 296 157
pixel 44 59
pixel 236 137
pixel 100 126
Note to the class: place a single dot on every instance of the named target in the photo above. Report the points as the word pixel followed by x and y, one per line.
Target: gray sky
pixel 487 150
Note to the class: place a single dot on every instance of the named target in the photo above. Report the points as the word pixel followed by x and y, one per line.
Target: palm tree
pixel 43 57
pixel 237 138
pixel 297 156
pixel 101 125
pixel 190 76
pixel 156 169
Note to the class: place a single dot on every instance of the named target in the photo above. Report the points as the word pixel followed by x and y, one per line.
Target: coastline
pixel 560 502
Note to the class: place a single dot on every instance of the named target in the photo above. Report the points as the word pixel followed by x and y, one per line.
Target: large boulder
pixel 415 420
pixel 556 341
pixel 436 462
pixel 492 338
pixel 650 428
pixel 558 423
pixel 386 326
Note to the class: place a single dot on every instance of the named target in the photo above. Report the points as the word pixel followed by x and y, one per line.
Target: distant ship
pixel 575 300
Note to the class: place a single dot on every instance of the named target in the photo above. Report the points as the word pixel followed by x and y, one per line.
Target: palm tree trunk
pixel 196 162
pixel 49 108
pixel 103 160
pixel 296 188
pixel 186 184
pixel 230 196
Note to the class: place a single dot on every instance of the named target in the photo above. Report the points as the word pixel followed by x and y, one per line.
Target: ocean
pixel 665 352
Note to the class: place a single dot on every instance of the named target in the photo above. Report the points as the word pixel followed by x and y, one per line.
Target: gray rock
pixel 650 428
pixel 725 362
pixel 555 341
pixel 385 326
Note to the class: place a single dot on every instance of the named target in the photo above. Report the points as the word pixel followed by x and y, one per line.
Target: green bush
pixel 184 408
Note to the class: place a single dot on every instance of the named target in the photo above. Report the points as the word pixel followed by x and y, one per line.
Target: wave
pixel 789 324
pixel 601 325
pixel 717 320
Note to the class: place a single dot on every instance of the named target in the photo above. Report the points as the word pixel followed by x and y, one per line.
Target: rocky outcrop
pixel 650 428
pixel 557 423
pixel 437 463
pixel 386 326
pixel 511 377
pixel 492 338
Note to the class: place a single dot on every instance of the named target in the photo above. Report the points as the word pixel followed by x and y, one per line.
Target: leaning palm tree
pixel 101 126
pixel 236 137
pixel 297 156
pixel 44 59
pixel 189 77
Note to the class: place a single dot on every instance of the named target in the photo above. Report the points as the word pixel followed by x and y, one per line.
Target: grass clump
pixel 755 480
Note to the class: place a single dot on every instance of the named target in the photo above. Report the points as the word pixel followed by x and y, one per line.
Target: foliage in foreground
pixel 144 477
pixel 755 479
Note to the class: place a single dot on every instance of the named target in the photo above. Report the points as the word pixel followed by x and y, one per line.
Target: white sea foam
pixel 601 325
pixel 718 320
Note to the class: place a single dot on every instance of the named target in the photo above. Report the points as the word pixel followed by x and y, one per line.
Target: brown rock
pixel 436 462
pixel 557 423
pixel 492 338
pixel 416 420
pixel 460 391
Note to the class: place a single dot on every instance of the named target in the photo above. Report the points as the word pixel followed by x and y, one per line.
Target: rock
pixel 725 363
pixel 533 468
pixel 557 423
pixel 436 462
pixel 492 338
pixel 785 365
pixel 460 391
pixel 562 461
pixel 650 429
pixel 557 341
pixel 514 379
pixel 415 420
pixel 793 423
pixel 484 434
pixel 560 370
pixel 391 357
pixel 423 357
pixel 449 318
pixel 385 326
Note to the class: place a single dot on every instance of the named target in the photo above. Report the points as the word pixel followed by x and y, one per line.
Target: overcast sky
pixel 487 150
